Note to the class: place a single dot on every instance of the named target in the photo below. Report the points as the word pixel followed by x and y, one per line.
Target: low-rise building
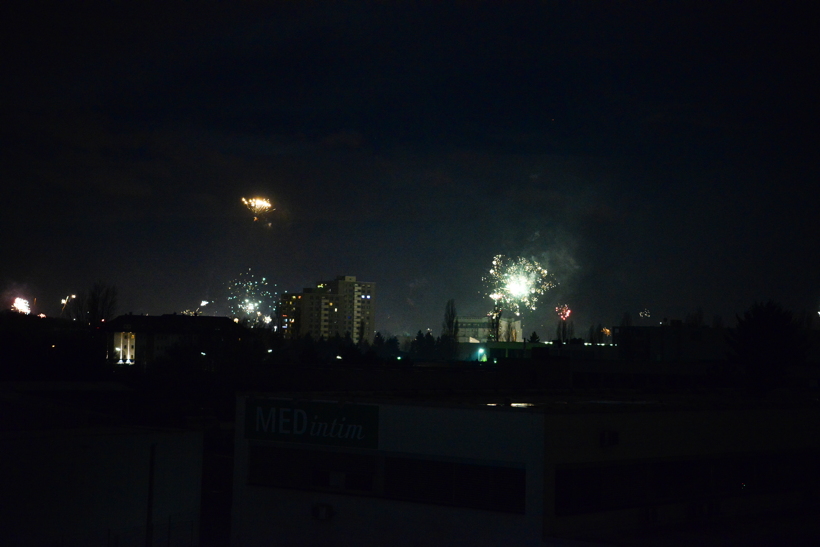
pixel 142 339
pixel 477 469
pixel 480 329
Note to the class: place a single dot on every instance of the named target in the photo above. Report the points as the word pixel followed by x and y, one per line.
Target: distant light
pixel 480 351
pixel 338 357
pixel 202 353
pixel 270 351
pixel 398 358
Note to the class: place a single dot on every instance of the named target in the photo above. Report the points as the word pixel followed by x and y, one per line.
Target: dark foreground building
pixel 74 477
pixel 528 470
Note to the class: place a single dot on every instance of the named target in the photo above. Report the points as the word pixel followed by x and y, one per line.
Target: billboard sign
pixel 312 422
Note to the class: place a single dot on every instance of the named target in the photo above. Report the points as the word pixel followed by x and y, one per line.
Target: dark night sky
pixel 660 157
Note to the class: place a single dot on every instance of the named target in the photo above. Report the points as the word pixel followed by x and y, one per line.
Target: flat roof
pixel 543 402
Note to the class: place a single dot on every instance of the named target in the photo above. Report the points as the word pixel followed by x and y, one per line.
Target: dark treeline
pixel 35 348
pixel 766 339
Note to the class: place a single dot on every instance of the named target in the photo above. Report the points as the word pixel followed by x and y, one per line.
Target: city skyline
pixel 650 158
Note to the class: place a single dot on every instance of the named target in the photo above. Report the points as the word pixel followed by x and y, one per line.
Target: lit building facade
pixel 479 329
pixel 141 339
pixel 339 307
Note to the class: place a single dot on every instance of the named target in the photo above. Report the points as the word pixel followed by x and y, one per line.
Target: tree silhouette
pixel 423 346
pixel 429 349
pixel 450 324
pixel 534 338
pixel 766 339
pixel 391 347
pixel 98 304
pixel 449 331
pixel 417 345
pixel 378 343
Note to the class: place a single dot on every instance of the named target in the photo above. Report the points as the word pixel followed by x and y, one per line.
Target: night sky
pixel 650 156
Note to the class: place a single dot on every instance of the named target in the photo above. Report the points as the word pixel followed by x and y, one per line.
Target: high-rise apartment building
pixel 339 307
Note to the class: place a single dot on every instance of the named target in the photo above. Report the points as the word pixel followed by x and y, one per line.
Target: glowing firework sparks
pixel 65 302
pixel 258 206
pixel 516 283
pixel 196 311
pixel 21 305
pixel 645 313
pixel 251 298
pixel 563 311
pixel 606 331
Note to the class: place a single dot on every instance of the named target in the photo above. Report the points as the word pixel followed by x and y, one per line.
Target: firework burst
pixel 197 311
pixel 258 206
pixel 563 312
pixel 21 305
pixel 516 283
pixel 252 298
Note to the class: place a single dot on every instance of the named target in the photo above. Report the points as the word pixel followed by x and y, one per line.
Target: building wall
pixel 616 468
pixel 356 312
pixel 90 486
pixel 589 469
pixel 477 329
pixel 124 347
pixel 492 443
pixel 332 308
pixel 289 315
